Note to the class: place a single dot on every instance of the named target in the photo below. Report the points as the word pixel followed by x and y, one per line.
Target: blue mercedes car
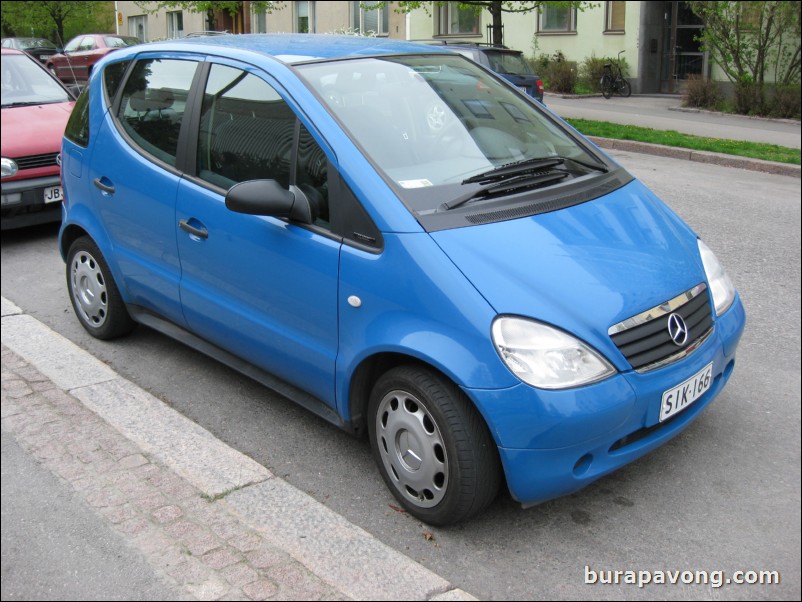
pixel 390 235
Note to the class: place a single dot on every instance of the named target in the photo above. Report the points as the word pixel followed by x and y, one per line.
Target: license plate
pixel 680 397
pixel 53 194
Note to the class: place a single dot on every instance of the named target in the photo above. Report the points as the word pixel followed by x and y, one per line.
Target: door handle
pixel 108 189
pixel 199 232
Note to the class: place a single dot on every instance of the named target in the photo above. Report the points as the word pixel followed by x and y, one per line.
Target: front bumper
pixel 553 443
pixel 23 202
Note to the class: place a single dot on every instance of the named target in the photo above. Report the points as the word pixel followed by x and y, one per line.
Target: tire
pixel 432 447
pixel 606 85
pixel 624 89
pixel 93 293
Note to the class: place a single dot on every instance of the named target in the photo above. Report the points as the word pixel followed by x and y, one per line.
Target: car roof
pixel 297 48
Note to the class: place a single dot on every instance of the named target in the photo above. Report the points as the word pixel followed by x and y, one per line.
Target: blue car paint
pixel 433 297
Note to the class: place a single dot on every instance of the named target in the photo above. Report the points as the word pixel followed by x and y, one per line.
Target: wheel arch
pixel 368 372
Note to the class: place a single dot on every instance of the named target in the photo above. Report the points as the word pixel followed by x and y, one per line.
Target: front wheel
pixel 606 85
pixel 93 293
pixel 624 89
pixel 432 447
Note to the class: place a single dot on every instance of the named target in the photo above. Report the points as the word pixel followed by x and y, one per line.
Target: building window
pixel 138 27
pixel 557 19
pixel 450 19
pixel 305 17
pixel 375 21
pixel 261 22
pixel 615 16
pixel 175 24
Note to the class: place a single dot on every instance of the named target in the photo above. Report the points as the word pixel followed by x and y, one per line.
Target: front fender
pixel 412 300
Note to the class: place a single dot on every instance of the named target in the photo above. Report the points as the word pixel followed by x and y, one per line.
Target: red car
pixel 82 52
pixel 35 109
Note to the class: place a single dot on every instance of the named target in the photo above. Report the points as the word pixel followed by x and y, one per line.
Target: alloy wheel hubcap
pixel 412 449
pixel 89 289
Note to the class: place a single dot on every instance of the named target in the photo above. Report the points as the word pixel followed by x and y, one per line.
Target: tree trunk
pixel 497 29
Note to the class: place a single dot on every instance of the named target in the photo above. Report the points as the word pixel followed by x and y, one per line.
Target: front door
pixel 262 288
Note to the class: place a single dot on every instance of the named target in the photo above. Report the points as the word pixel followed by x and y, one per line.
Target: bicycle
pixel 613 82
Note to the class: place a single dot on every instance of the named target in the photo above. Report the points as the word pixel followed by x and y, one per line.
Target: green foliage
pixel 232 7
pixel 56 21
pixel 591 71
pixel 750 39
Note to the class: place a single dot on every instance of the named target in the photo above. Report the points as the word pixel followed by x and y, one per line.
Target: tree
pixel 232 7
pixel 749 40
pixel 57 21
pixel 496 8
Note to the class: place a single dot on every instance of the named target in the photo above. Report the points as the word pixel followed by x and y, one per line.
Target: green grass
pixel 753 150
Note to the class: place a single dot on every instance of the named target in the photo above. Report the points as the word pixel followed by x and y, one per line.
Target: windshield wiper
pixel 514 169
pixel 495 187
pixel 528 165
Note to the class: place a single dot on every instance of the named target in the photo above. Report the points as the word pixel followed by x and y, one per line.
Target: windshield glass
pixel 120 41
pixel 31 43
pixel 433 124
pixel 25 83
pixel 509 62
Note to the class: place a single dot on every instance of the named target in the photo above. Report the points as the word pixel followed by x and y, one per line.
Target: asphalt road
pixel 723 496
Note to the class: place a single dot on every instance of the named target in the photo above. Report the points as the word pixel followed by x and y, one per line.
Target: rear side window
pixel 153 104
pixel 77 129
pixel 112 78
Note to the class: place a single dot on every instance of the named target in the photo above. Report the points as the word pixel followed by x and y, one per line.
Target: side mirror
pixel 268 197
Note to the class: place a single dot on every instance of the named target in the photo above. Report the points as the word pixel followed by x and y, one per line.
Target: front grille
pixel 645 340
pixel 34 161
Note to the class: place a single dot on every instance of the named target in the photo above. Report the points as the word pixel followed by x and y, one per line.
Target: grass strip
pixel 753 150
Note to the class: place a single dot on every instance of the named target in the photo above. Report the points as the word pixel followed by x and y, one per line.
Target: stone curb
pixel 207 518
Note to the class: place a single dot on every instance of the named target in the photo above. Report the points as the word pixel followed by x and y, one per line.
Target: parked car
pixel 35 109
pixel 509 64
pixel 82 52
pixel 389 235
pixel 39 48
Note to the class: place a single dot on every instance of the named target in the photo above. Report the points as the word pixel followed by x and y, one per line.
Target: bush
pixel 560 74
pixel 591 71
pixel 785 102
pixel 749 99
pixel 701 93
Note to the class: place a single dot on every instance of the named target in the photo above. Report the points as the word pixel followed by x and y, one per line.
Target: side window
pixel 88 43
pixel 247 132
pixel 77 128
pixel 153 104
pixel 312 176
pixel 112 78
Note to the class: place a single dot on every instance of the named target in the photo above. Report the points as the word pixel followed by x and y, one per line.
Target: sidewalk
pixel 209 522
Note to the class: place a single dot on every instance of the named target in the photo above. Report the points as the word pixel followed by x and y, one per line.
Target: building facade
pixel 658 38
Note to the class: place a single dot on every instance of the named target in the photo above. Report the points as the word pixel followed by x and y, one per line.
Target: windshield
pixel 509 62
pixel 25 83
pixel 434 124
pixel 120 41
pixel 31 43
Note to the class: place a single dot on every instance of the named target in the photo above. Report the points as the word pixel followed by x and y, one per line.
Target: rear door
pixel 134 180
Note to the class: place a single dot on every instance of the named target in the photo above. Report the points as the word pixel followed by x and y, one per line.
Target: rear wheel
pixel 606 85
pixel 94 295
pixel 432 447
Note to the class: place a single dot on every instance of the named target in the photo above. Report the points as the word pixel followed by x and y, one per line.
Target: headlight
pixel 9 167
pixel 546 357
pixel 720 284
